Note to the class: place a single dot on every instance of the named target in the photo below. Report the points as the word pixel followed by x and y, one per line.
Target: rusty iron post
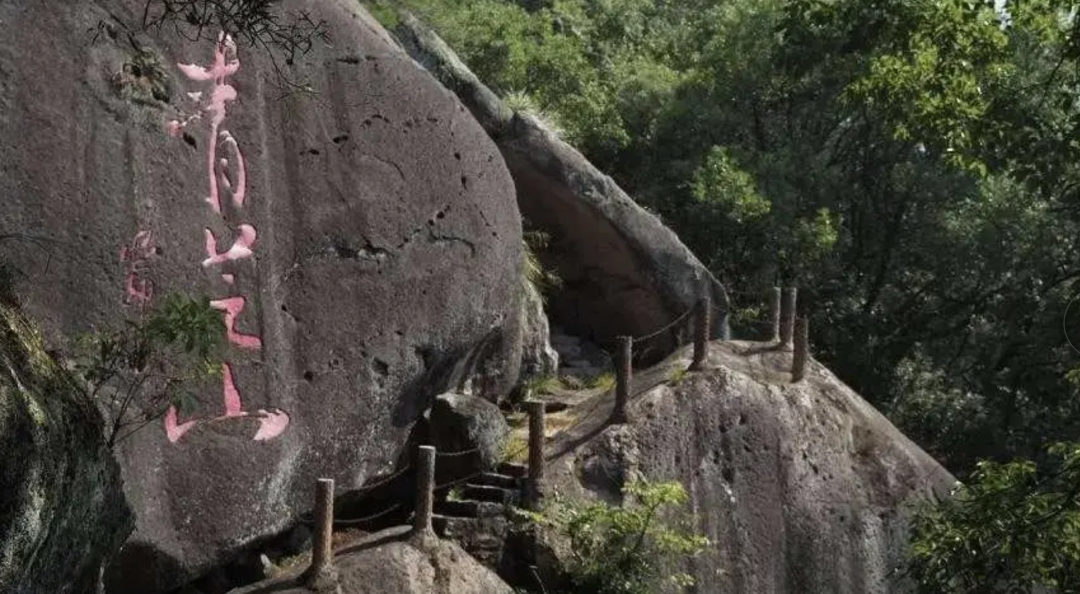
pixel 701 333
pixel 322 574
pixel 802 349
pixel 623 375
pixel 425 492
pixel 537 430
pixel 787 317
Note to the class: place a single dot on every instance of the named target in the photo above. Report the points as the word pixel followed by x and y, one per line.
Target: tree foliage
pixel 912 163
pixel 624 549
pixel 1013 528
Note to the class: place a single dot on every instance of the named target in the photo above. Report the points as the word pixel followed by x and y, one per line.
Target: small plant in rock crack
pixel 142 78
pixel 627 549
pixel 136 372
pixel 677 375
pixel 603 381
pixel 544 280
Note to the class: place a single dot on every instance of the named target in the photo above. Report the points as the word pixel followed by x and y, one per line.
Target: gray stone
pixel 62 506
pixel 800 487
pixel 462 423
pixel 386 261
pixel 387 562
pixel 538 358
pixel 623 271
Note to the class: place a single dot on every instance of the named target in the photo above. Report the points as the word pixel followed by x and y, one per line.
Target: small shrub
pixel 142 79
pixel 137 372
pixel 623 550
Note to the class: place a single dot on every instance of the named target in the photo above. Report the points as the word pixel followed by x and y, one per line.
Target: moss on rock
pixel 62 507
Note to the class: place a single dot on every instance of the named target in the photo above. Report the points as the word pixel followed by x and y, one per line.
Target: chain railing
pixel 789 332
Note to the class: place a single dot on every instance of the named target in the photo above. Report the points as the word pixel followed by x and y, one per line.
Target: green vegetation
pixel 604 381
pixel 677 375
pixel 142 78
pixel 546 384
pixel 912 164
pixel 135 373
pixel 1011 528
pixel 630 549
pixel 544 280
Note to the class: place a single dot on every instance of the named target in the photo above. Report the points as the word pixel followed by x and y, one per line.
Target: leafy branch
pixel 135 373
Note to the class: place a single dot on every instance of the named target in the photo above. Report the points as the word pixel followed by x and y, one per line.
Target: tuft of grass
pixel 547 384
pixel 573 382
pixel 516 448
pixel 524 103
pixel 604 381
pixel 543 280
pixel 677 375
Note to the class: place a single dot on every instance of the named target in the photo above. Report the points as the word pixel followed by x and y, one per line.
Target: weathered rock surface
pixel 468 432
pixel 538 357
pixel 386 562
pixel 365 249
pixel 62 506
pixel 801 487
pixel 623 271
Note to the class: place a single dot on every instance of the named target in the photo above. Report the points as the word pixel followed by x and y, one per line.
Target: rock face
pixel 623 271
pixel 62 506
pixel 461 423
pixel 538 358
pixel 801 487
pixel 361 240
pixel 386 563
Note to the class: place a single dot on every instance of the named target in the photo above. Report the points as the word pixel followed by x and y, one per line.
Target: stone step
pixel 484 540
pixel 493 479
pixel 512 469
pixel 492 494
pixel 469 508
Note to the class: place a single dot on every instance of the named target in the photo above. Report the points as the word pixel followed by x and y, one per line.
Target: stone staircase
pixel 478 517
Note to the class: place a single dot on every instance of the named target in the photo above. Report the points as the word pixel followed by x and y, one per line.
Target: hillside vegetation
pixel 909 165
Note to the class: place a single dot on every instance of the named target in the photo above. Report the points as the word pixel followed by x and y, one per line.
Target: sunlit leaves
pixel 1011 527
pixel 719 181
pixel 624 549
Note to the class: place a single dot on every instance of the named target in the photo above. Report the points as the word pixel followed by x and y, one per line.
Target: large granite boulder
pixel 62 506
pixel 623 271
pixel 800 487
pixel 352 221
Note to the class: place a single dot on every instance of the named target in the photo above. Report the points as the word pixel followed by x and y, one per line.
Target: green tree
pixel 1012 528
pixel 912 165
pixel 624 549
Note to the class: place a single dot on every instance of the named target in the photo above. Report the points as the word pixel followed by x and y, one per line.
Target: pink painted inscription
pixel 228 175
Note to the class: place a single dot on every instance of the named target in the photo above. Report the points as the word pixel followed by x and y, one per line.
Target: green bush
pixel 623 550
pixel 1013 528
pixel 135 373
